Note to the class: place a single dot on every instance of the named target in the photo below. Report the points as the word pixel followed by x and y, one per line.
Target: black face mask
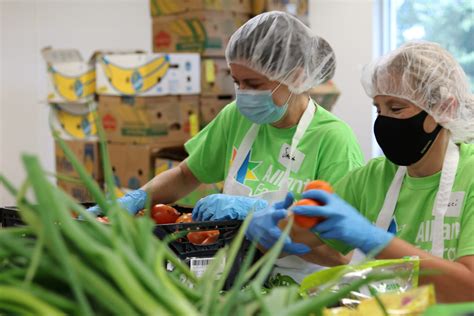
pixel 404 141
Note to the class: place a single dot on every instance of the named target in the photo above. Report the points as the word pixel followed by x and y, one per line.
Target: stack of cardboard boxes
pixel 70 95
pixel 151 104
pixel 147 102
pixel 203 27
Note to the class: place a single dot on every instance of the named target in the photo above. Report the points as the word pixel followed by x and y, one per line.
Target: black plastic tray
pixel 186 251
pixel 10 215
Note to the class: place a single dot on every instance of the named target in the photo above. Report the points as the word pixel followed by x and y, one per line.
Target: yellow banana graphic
pixel 181 28
pixel 198 30
pixel 164 7
pixel 136 80
pixel 77 126
pixel 73 88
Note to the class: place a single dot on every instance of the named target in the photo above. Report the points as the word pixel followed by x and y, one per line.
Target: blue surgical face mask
pixel 258 105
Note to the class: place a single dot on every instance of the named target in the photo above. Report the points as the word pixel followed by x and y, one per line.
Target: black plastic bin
pixel 198 256
pixel 10 216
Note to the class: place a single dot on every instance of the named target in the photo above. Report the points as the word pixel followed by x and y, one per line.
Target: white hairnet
pixel 282 48
pixel 427 75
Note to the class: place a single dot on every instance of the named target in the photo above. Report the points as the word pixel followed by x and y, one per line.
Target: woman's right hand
pixel 133 202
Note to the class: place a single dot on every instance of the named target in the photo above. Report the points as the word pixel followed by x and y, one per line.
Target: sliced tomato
pixel 203 237
pixel 103 219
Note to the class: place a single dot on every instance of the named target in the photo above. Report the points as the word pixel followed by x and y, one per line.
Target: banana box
pixel 133 164
pixel 77 190
pixel 171 119
pixel 87 152
pixel 148 74
pixel 325 94
pixel 204 32
pixel 298 8
pixel 216 78
pixel 71 78
pixel 210 106
pixel 170 7
pixel 72 125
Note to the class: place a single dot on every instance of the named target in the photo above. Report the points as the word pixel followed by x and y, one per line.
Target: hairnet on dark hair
pixel 279 46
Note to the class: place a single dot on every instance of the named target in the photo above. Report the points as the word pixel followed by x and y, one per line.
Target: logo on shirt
pixel 246 171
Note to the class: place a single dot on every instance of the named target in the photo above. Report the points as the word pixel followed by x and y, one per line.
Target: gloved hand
pixel 263 228
pixel 217 207
pixel 343 222
pixel 133 202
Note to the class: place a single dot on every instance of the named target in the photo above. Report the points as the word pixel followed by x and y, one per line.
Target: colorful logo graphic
pixel 246 171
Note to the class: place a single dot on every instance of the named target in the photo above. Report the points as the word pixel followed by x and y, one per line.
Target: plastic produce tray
pixel 199 256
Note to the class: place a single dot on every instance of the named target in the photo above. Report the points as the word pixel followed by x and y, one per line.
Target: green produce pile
pixel 57 265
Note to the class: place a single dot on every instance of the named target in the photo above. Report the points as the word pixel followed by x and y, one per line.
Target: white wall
pixel 26 26
pixel 348 27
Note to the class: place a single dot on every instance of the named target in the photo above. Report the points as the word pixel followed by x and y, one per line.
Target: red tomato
pixel 185 218
pixel 164 214
pixel 318 185
pixel 307 221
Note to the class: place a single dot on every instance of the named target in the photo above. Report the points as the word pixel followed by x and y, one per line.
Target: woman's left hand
pixel 263 228
pixel 343 222
pixel 218 207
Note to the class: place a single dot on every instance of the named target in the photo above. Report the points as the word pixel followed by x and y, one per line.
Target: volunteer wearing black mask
pixel 419 199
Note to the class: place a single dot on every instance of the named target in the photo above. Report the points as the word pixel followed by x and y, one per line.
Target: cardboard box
pixel 298 8
pixel 76 190
pixel 87 152
pixel 204 32
pixel 325 94
pixel 144 120
pixel 211 106
pixel 71 78
pixel 148 74
pixel 216 78
pixel 170 7
pixel 133 165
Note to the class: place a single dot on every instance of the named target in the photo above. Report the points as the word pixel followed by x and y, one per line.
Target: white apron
pixel 292 266
pixel 440 206
pixel 233 187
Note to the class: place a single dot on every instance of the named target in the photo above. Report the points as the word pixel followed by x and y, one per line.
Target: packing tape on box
pixel 72 126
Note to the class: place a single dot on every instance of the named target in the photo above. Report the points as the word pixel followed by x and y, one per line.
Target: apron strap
pixel 243 150
pixel 303 125
pixel 391 198
pixel 440 208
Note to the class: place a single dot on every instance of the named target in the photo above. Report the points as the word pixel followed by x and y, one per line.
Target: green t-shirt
pixel 328 151
pixel 366 187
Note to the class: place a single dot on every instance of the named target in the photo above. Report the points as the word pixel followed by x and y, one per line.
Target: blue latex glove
pixel 264 229
pixel 133 202
pixel 343 222
pixel 217 207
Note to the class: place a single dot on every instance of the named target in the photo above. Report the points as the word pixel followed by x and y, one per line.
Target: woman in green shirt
pixel 273 138
pixel 419 199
